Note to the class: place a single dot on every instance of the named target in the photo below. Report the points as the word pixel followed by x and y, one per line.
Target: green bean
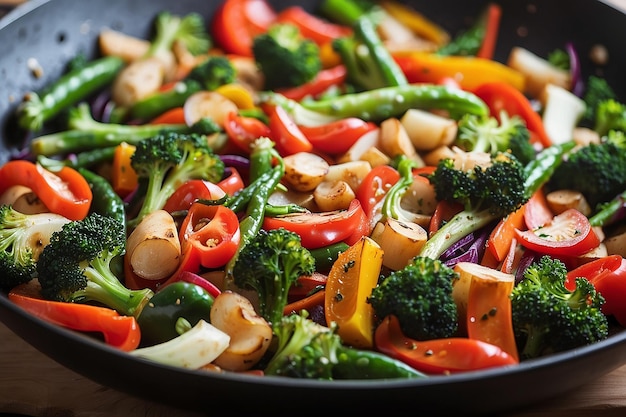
pixel 72 87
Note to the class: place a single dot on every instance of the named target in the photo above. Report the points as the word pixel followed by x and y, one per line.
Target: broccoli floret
pixel 76 265
pixel 597 170
pixel 560 59
pixel 213 72
pixel 368 63
pixel 22 238
pixel 420 296
pixel 190 30
pixel 270 263
pixel 285 57
pixel 487 193
pixel 486 134
pixel 549 318
pixel 597 90
pixel 306 349
pixel 166 161
pixel 610 115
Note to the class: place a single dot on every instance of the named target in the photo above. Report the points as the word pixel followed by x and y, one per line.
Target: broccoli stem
pixel 610 212
pixel 87 133
pixel 462 224
pixel 103 286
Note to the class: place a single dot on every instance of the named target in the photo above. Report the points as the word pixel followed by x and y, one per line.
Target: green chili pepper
pixel 382 103
pixel 179 299
pixel 156 104
pixel 105 200
pixel 72 87
pixel 326 256
pixel 363 364
pixel 609 212
pixel 87 133
pixel 540 169
pixel 108 203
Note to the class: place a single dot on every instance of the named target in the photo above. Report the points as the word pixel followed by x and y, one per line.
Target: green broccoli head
pixel 610 114
pixel 305 349
pixel 420 296
pixel 165 161
pixel 190 30
pixel 487 134
pixel 597 90
pixel 285 58
pixel 76 265
pixel 270 263
pixel 213 72
pixel 22 238
pixel 549 318
pixel 597 170
pixel 497 186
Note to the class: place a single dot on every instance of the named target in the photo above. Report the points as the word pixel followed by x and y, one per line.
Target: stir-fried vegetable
pixel 307 199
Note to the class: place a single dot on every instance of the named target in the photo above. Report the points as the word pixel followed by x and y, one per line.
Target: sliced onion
pixel 578 85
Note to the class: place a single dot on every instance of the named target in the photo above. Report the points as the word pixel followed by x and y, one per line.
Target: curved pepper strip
pixel 469 71
pixel 64 192
pixel 438 356
pixel 119 331
pixel 209 236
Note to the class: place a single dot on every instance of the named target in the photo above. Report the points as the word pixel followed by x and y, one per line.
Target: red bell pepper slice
pixel 232 182
pixel 243 130
pixel 190 192
pixel 209 236
pixel 491 24
pixel 324 79
pixel 317 230
pixel 438 356
pixel 501 96
pixel 536 211
pixel 338 136
pixel 312 27
pixel 373 190
pixel 236 22
pixel 119 331
pixel 286 134
pixel 567 234
pixel 608 276
pixel 65 192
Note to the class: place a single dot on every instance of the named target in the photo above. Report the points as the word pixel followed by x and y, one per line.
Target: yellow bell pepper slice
pixel 416 22
pixel 350 282
pixel 238 94
pixel 468 71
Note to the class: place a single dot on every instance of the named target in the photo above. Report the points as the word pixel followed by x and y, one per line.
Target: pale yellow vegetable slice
pixel 153 248
pixel 427 130
pixel 197 347
pixel 208 104
pixel 330 196
pixel 138 80
pixel 352 173
pixel 250 334
pixel 127 47
pixel 537 71
pixel 561 200
pixel 400 241
pixel 305 170
pixel 395 141
pixel 562 111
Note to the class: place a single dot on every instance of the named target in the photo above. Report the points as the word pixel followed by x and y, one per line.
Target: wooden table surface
pixel 32 384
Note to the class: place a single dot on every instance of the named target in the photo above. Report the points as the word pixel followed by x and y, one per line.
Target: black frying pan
pixel 52 32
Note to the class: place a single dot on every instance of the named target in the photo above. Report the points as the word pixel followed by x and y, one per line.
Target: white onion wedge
pixel 195 348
